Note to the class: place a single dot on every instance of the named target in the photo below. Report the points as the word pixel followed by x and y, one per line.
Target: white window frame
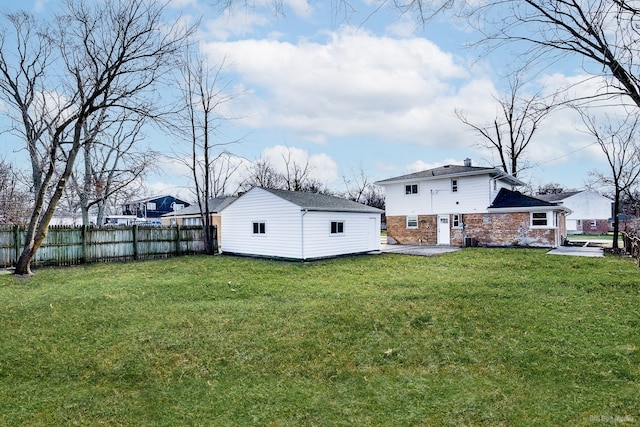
pixel 412 218
pixel 262 228
pixel 456 221
pixel 151 206
pixel 409 189
pixel 339 228
pixel 550 219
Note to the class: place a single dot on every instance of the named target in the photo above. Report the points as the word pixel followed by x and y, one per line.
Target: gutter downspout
pixel 304 212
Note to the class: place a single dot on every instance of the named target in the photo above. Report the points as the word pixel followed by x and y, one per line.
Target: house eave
pixel 530 209
pixel 494 174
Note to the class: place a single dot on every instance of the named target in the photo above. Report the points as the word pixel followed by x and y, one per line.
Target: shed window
pixel 259 228
pixel 411 189
pixel 412 221
pixel 337 227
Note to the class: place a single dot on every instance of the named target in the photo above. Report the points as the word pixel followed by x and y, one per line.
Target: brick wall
pixel 508 229
pixel 425 234
pixel 601 226
pixel 496 229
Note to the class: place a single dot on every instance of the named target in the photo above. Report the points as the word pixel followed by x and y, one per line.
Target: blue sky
pixel 370 92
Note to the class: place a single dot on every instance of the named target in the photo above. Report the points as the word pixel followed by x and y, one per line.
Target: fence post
pixel 16 243
pixel 135 241
pixel 214 235
pixel 83 256
pixel 178 245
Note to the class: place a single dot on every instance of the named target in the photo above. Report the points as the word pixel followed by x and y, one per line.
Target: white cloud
pixel 40 5
pixel 321 166
pixel 354 84
pixel 419 165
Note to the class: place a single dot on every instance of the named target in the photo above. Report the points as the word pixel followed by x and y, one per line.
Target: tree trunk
pixel 39 226
pixel 616 217
pixel 23 266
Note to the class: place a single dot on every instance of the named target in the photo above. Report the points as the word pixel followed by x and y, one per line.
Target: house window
pixel 337 227
pixel 539 219
pixel 594 223
pixel 454 185
pixel 412 221
pixel 259 228
pixel 457 221
pixel 411 189
pixel 178 206
pixel 151 206
pixel 193 221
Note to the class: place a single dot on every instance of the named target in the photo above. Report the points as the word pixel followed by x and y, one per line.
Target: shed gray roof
pixel 452 170
pixel 322 202
pixel 216 204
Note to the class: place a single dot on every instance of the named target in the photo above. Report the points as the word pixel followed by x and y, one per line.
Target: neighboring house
pixel 151 209
pixel 591 212
pixel 467 205
pixel 191 215
pixel 300 226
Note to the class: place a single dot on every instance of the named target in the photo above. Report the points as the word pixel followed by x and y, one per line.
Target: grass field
pixel 477 337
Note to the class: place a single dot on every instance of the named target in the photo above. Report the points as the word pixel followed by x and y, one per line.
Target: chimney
pixel 467 162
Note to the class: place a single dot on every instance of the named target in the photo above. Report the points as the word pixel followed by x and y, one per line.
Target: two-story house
pixel 467 205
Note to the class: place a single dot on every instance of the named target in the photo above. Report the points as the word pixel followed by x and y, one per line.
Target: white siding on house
pixel 588 205
pixel 435 196
pixel 282 220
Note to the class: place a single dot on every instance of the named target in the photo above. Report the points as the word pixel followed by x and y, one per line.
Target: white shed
pixel 301 226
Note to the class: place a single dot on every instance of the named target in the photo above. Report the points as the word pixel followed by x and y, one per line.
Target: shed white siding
pixel 282 219
pixel 294 232
pixel 356 238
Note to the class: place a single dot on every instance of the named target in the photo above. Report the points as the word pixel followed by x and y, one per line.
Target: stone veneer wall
pixel 496 229
pixel 425 234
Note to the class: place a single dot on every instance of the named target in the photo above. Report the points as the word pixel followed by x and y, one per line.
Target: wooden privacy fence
pixel 77 245
pixel 632 245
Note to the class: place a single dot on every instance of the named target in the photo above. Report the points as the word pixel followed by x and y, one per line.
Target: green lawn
pixel 508 337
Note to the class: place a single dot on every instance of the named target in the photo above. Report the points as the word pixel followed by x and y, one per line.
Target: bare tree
pixel 111 161
pixel 356 185
pixel 109 54
pixel 617 139
pixel 224 173
pixel 359 188
pixel 263 174
pixel 296 173
pixel 511 132
pixel 550 188
pixel 25 56
pixel 14 198
pixel 204 93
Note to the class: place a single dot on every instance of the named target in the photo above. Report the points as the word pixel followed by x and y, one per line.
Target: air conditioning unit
pixel 470 242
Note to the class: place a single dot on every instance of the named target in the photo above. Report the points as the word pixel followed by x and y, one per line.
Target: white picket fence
pixel 70 245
